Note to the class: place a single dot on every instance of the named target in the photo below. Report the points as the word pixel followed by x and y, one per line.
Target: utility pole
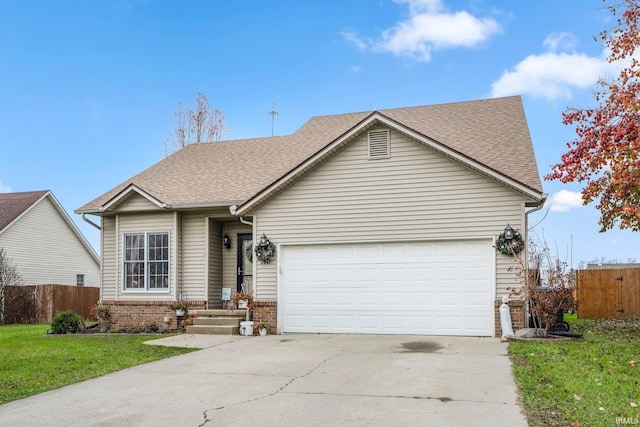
pixel 273 113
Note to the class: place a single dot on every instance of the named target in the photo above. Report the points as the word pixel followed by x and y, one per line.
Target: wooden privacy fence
pixel 40 303
pixel 608 293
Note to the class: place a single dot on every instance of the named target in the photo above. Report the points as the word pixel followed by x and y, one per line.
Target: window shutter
pixel 379 144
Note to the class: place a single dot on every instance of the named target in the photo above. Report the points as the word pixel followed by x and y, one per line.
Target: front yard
pixel 592 382
pixel 33 362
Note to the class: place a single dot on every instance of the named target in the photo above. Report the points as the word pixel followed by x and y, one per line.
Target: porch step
pixel 216 322
pixel 219 313
pixel 212 330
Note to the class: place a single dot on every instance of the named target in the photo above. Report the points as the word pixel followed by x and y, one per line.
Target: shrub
pixel 67 322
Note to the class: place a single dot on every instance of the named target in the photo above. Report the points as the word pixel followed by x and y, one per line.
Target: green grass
pixel 32 362
pixel 592 382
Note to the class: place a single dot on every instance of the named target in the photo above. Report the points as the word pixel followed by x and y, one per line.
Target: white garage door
pixel 429 288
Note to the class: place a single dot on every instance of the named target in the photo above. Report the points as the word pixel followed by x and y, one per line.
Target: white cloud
pixel 352 37
pixel 550 75
pixel 4 188
pixel 429 27
pixel 554 74
pixel 560 41
pixel 564 200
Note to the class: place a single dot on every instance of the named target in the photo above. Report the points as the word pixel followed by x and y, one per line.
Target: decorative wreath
pixel 510 248
pixel 265 253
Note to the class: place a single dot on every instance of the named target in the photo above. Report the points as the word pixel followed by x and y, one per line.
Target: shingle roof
pixel 493 132
pixel 12 205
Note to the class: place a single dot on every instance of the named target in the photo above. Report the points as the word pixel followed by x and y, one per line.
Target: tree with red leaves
pixel 606 153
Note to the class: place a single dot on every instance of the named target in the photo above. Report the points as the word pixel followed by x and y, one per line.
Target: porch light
pixel 509 233
pixel 263 241
pixel 226 241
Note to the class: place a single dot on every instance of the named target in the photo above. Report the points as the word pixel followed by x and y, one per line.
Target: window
pixel 79 279
pixel 146 262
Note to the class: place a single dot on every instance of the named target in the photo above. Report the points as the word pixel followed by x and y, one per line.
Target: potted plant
pixel 103 314
pixel 263 328
pixel 242 300
pixel 180 307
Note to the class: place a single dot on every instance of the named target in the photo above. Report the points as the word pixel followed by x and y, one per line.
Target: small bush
pixel 152 328
pixel 67 322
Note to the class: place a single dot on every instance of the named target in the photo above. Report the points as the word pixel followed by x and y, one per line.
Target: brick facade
pixel 516 309
pixel 266 311
pixel 135 314
pixel 138 314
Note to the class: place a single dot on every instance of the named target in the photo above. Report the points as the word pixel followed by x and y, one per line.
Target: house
pixel 46 246
pixel 383 222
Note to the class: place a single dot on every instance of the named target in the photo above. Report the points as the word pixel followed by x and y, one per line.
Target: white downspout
pixel 526 252
pixel 246 222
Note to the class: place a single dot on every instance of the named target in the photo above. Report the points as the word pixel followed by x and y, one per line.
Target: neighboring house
pixel 44 243
pixel 613 265
pixel 383 221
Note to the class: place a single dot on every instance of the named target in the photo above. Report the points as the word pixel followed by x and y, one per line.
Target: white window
pixel 146 262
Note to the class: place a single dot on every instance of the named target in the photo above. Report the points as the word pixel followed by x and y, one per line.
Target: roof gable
pixel 14 205
pixel 491 135
pixel 373 120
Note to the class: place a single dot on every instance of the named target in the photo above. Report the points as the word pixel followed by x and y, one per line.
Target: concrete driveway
pixel 294 380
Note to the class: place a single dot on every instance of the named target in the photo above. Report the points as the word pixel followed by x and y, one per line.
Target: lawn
pixel 33 362
pixel 591 382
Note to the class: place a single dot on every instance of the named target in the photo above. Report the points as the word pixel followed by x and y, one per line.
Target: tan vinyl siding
pixel 140 223
pixel 137 203
pixel 416 194
pixel 46 250
pixel 230 256
pixel 215 265
pixel 109 258
pixel 194 256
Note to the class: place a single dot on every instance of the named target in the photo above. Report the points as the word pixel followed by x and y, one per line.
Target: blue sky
pixel 88 88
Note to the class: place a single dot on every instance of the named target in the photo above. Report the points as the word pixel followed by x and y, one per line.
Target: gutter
pixel 233 209
pixel 90 222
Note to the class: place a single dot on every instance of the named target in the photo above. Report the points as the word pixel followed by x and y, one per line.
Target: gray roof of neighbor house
pixel 12 205
pixel 493 132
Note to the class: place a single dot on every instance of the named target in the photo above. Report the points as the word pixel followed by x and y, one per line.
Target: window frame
pixel 146 275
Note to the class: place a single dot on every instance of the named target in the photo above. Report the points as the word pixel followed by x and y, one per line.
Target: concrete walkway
pixel 294 380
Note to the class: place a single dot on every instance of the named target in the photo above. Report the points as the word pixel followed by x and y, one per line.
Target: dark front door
pixel 245 262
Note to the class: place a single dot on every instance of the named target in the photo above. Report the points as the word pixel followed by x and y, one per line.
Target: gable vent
pixel 379 144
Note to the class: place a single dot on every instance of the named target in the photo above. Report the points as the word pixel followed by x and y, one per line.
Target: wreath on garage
pixel 265 252
pixel 510 247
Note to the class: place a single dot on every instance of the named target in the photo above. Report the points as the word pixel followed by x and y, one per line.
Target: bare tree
pixel 9 276
pixel 546 284
pixel 194 125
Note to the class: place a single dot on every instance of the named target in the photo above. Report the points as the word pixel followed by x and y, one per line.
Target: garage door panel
pixel 449 323
pixel 450 299
pixel 401 287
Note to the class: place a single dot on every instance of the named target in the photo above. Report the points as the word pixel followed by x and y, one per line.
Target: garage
pixel 425 288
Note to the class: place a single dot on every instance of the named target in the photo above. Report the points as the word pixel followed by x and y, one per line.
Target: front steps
pixel 216 322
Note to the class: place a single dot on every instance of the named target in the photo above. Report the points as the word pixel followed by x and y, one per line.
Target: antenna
pixel 273 113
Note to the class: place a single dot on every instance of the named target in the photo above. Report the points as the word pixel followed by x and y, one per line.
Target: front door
pixel 245 262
